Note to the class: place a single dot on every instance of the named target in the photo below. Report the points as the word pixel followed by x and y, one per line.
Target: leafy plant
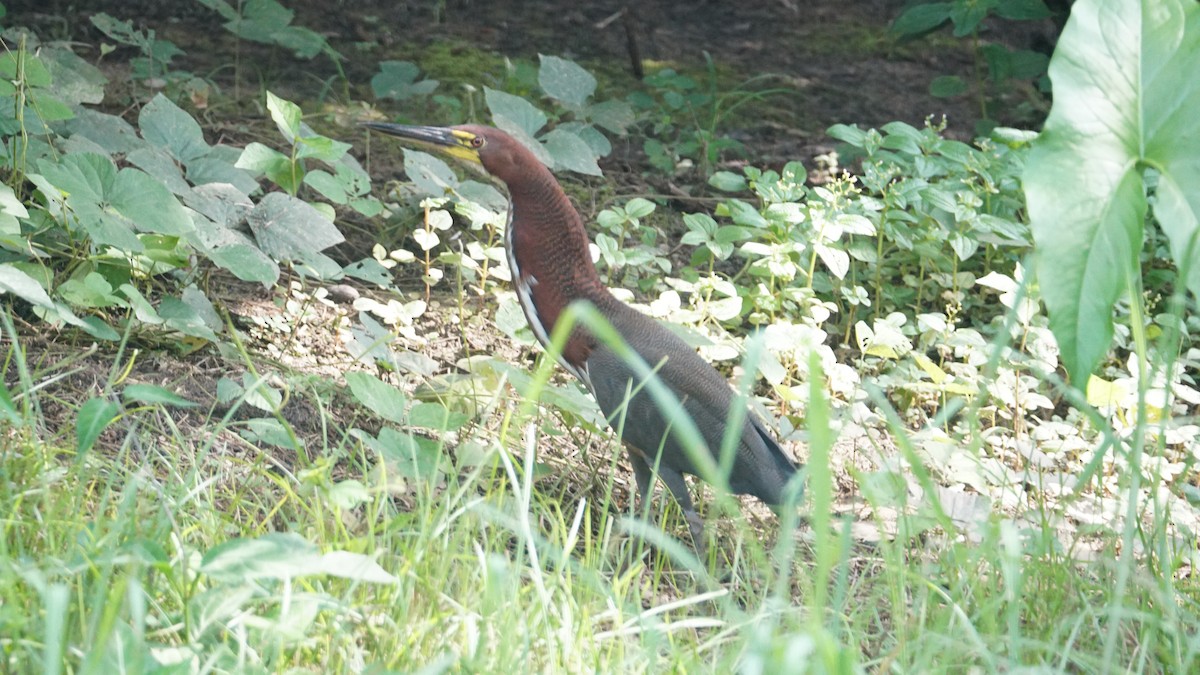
pixel 1001 64
pixel 1118 130
pixel 39 86
pixel 642 259
pixel 924 213
pixel 573 144
pixel 268 22
pixel 117 208
pixel 398 80
pixel 682 118
pixel 153 66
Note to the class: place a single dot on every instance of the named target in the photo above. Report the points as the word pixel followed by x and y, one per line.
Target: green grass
pixel 108 563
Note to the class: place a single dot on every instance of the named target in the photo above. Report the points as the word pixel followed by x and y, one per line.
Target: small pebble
pixel 342 293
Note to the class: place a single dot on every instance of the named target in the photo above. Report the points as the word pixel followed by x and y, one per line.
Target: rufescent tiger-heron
pixel 551 267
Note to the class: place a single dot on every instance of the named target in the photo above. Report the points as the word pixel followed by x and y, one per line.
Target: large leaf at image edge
pixel 1125 98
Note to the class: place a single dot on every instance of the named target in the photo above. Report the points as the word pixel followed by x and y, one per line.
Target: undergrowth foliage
pixel 404 517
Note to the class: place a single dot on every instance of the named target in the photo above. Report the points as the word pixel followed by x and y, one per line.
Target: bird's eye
pixel 476 142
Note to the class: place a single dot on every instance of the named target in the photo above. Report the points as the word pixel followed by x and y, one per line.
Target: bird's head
pixel 478 146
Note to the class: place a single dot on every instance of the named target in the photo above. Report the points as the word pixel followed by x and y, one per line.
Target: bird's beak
pixel 453 142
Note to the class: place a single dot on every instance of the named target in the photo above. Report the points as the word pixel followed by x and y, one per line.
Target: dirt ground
pixel 837 59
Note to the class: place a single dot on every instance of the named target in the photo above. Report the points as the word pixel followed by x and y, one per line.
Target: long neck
pixel 550 242
pixel 547 243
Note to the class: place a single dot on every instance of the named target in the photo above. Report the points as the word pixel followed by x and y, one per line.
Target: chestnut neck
pixel 549 244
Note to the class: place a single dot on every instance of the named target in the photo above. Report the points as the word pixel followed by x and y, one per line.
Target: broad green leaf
pixel 233 251
pixel 348 494
pixel 1026 64
pixel 92 325
pixel 260 394
pixel 398 80
pixel 1125 98
pixel 260 159
pixel 20 284
pixel 313 145
pixel 935 373
pixel 848 134
pixel 108 229
pixel 11 209
pixel 91 290
pixel 184 318
pixel 319 265
pixel 303 42
pixel 354 566
pixel 367 206
pixel 433 176
pixel 571 152
pixel 727 181
pixel 486 196
pixel 370 271
pixel 142 308
pixel 228 390
pixel 922 17
pixel 565 80
pixel 701 224
pixel 511 321
pixel 226 10
pixel 104 198
pixel 523 137
pixel 94 417
pixel 595 140
pixel 121 31
pixel 742 213
pixel 155 395
pixel 269 431
pixel 73 79
pixel 966 17
pixel 837 260
pixel 199 303
pixel 222 203
pixel 435 416
pixel 168 126
pixel 35 72
pixel 515 110
pixel 615 115
pixel 213 168
pixel 110 132
pixel 947 86
pixel 639 208
pixel 84 177
pixel 328 186
pixel 903 137
pixel 144 200
pixel 286 115
pixel 287 228
pixel 275 555
pixel 166 250
pixel 158 163
pixel 426 239
pixel 411 456
pixel 380 397
pixel 61 313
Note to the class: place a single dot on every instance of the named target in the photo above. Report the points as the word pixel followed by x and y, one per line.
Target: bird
pixel 551 266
